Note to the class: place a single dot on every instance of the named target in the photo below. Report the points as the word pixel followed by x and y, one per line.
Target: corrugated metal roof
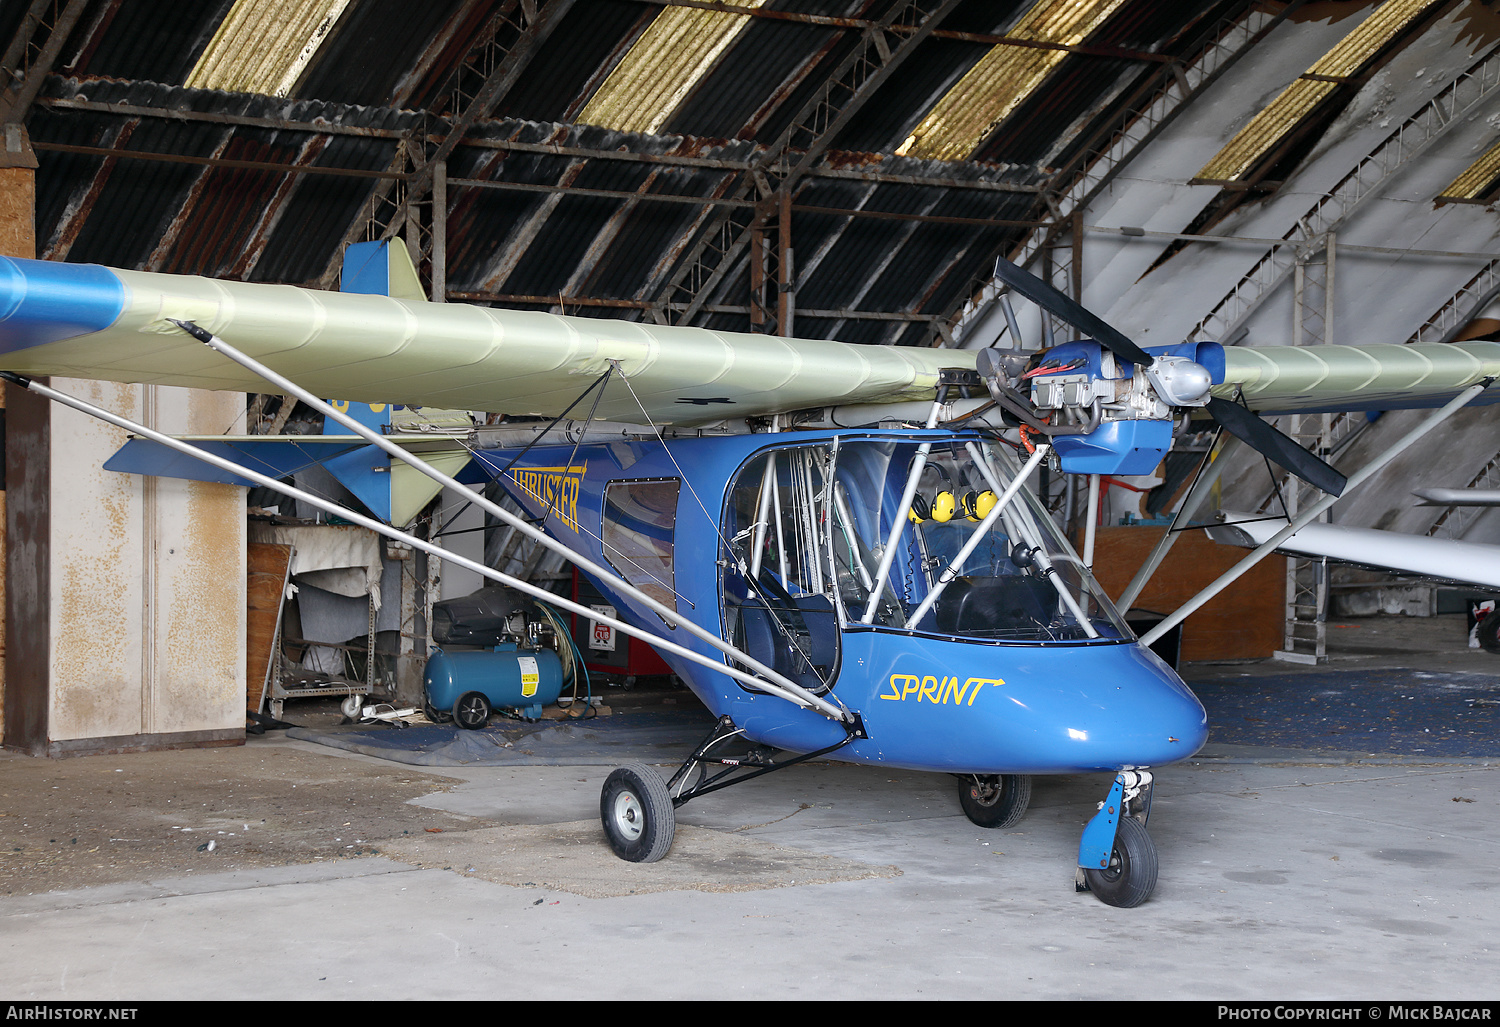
pixel 262 46
pixel 1005 76
pixel 881 242
pixel 1478 179
pixel 1283 114
pixel 678 49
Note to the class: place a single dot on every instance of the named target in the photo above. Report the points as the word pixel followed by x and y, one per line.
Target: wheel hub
pixel 628 816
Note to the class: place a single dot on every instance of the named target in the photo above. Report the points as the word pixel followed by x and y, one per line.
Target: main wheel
pixel 994 800
pixel 1130 877
pixel 471 711
pixel 1489 632
pixel 636 809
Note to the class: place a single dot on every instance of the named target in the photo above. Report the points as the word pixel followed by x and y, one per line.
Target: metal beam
pixel 329 128
pixel 1154 105
pixel 865 24
pixel 214 162
pixel 25 76
pixel 1469 92
pixel 799 147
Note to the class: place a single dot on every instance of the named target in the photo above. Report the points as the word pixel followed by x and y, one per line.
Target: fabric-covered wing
pixel 86 321
pixel 1299 379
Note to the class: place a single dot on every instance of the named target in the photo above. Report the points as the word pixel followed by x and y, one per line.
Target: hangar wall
pixel 124 595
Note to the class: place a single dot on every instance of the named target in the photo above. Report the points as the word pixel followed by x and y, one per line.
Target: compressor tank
pixel 507 675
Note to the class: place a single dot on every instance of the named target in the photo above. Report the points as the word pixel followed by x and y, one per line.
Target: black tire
pixel 636 810
pixel 472 711
pixel 1131 876
pixel 1489 632
pixel 994 800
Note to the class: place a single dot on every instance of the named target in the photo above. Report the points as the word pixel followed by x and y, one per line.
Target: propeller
pixel 1240 422
pixel 1279 447
pixel 1045 296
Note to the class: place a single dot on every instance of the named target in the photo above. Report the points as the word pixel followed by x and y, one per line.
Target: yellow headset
pixel 943 506
pixel 977 505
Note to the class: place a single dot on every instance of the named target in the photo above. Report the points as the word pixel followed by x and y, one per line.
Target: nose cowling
pixel 1134 712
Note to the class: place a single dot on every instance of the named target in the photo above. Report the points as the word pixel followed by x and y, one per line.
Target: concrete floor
pixel 1284 875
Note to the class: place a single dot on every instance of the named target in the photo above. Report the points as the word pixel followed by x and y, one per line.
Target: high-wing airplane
pixel 830 544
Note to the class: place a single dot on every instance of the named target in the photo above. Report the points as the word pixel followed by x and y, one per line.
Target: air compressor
pixel 494 649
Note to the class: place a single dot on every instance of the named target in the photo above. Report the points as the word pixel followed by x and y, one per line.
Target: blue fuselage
pixel 929 699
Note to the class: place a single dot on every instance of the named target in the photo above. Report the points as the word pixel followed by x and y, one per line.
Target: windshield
pixel 974 556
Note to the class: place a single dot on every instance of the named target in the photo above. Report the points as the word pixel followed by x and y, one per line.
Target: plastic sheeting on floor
pixel 655 736
pixel 1381 711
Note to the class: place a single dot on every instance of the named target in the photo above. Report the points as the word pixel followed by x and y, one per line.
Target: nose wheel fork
pixel 1116 857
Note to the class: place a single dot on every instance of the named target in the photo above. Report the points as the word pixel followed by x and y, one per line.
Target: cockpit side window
pixel 778 580
pixel 640 520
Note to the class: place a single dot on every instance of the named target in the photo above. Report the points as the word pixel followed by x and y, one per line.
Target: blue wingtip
pixel 44 301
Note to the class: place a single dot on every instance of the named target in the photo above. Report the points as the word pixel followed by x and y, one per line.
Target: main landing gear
pixel 1116 858
pixel 639 809
pixel 994 800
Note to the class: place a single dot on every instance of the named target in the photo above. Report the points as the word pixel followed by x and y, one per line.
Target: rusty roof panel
pixel 374 44
pixel 677 49
pixel 149 40
pixel 137 213
pixel 214 227
pixel 127 205
pixel 524 243
pixel 320 210
pixel 561 243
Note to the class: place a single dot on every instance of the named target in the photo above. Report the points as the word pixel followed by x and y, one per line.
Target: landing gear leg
pixel 639 809
pixel 1116 858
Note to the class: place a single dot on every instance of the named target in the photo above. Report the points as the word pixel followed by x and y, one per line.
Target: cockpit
pixel 914 535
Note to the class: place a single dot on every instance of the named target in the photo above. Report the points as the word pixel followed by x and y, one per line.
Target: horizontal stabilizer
pixel 395 494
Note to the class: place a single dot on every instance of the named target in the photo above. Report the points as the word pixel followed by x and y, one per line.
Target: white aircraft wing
pixel 87 321
pixel 1384 376
pixel 1441 559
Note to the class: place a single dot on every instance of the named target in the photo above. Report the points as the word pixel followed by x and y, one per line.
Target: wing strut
pixel 1200 491
pixel 1311 513
pixel 796 694
pixel 787 689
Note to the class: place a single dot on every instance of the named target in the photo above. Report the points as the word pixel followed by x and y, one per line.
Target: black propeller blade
pixel 1283 449
pixel 1238 421
pixel 1048 298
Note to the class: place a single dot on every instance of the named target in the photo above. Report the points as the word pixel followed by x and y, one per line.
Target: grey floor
pixel 1284 875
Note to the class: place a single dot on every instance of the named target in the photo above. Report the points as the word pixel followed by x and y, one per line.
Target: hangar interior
pixel 1244 171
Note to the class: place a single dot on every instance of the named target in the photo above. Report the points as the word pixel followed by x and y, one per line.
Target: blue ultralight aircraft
pixel 832 545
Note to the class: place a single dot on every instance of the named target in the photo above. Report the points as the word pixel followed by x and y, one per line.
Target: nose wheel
pixel 1130 877
pixel 1117 858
